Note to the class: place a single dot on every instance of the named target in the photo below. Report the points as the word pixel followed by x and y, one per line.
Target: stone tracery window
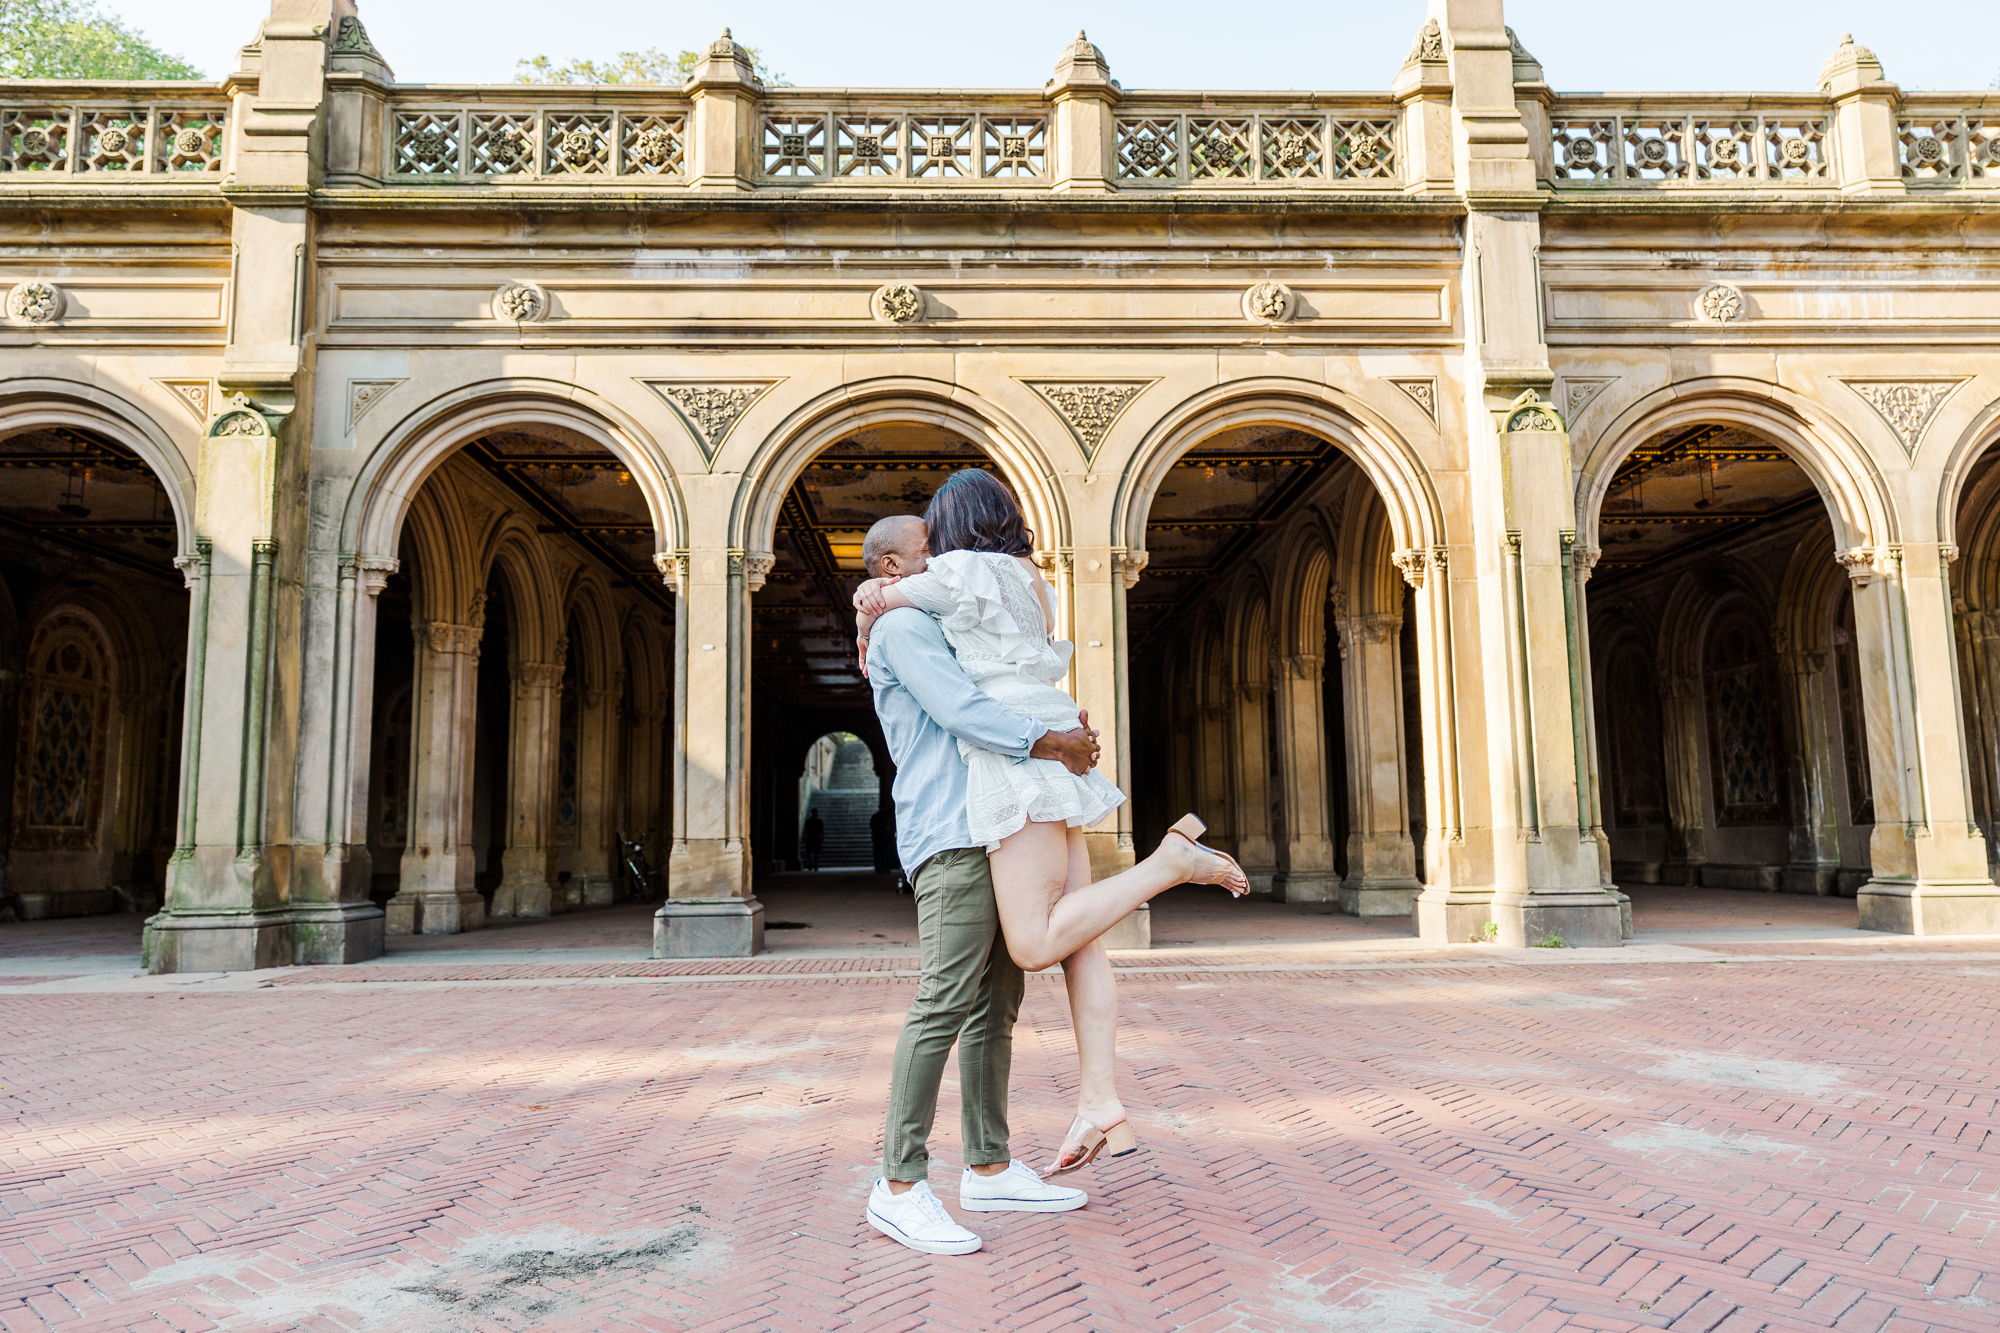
pixel 65 715
pixel 1742 724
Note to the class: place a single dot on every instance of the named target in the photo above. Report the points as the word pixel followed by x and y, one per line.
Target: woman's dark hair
pixel 973 511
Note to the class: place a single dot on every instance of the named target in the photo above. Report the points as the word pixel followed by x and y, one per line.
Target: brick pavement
pixel 1444 1144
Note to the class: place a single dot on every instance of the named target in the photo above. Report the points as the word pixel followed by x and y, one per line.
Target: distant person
pixel 813 837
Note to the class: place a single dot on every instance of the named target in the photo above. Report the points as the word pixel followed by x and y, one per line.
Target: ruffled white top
pixel 992 615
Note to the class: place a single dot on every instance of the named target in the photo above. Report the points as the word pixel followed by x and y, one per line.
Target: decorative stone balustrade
pixel 1623 144
pixel 101 137
pixel 1949 144
pixel 489 140
pixel 1239 146
pixel 884 137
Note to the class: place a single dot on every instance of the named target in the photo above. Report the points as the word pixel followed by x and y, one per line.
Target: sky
pixel 1584 45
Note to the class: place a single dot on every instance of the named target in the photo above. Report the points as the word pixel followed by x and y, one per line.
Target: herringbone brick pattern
pixel 1759 1144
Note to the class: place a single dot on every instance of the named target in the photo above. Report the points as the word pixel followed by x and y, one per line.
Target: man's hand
pixel 1075 750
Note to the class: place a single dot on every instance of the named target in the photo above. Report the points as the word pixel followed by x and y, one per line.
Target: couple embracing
pixel 994 787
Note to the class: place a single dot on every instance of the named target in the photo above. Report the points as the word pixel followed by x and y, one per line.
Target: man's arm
pixel 926 668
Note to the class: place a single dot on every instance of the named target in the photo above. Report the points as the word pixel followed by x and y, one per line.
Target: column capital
pixel 1129 566
pixel 370 571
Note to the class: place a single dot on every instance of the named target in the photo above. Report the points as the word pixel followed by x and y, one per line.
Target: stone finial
pixel 1429 45
pixel 1527 69
pixel 725 63
pixel 1082 65
pixel 1850 66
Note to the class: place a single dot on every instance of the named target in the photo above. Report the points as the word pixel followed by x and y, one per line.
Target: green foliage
pixel 72 39
pixel 1551 941
pixel 651 65
pixel 1486 934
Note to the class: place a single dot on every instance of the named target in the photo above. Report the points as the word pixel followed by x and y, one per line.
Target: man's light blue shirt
pixel 926 705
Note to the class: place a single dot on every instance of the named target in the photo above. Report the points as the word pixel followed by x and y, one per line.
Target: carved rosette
pixel 1906 405
pixel 1719 303
pixel 35 302
pixel 897 303
pixel 521 302
pixel 1089 410
pixel 1270 303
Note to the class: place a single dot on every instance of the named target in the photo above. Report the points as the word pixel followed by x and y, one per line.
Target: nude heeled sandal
pixel 1119 1139
pixel 1191 828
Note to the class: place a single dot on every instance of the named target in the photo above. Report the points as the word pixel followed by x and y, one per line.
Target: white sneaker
pixel 1016 1190
pixel 917 1218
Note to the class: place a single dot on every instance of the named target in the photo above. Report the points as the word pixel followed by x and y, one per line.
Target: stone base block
pixel 195 941
pixel 1134 932
pixel 1820 881
pixel 1305 886
pixel 1592 921
pixel 337 933
pixel 1762 878
pixel 1636 872
pixel 1918 909
pixel 1680 872
pixel 1624 916
pixel 1391 898
pixel 433 913
pixel 599 891
pixel 1451 919
pixel 708 928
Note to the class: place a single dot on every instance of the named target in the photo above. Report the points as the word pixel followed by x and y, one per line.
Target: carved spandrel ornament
pixel 1907 406
pixel 897 303
pixel 191 394
pixel 1089 409
pixel 364 394
pixel 1422 392
pixel 521 302
pixel 710 409
pixel 1719 303
pixel 35 302
pixel 1270 303
pixel 1578 394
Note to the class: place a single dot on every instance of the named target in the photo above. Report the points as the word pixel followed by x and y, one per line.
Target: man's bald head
pixel 900 535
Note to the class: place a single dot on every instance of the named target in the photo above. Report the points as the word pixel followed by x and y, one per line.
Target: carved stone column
pixel 1928 861
pixel 1256 850
pixel 436 895
pixel 535 732
pixel 1212 775
pixel 1305 871
pixel 133 783
pixel 1099 578
pixel 596 776
pixel 1381 859
pixel 1681 727
pixel 710 911
pixel 1980 673
pixel 1815 852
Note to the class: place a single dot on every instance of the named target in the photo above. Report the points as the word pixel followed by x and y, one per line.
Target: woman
pixel 976 575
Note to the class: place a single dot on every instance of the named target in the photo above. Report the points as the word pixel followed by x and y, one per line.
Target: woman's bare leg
pixel 1045 922
pixel 1093 1011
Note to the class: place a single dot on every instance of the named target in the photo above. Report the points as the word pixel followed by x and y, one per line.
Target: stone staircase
pixel 850 797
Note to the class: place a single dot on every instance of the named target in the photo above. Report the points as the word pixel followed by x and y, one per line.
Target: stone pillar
pixel 535 734
pixel 1864 142
pixel 710 910
pixel 1381 859
pixel 1815 851
pixel 1423 87
pixel 1929 872
pixel 1081 128
pixel 1980 674
pixel 1099 579
pixel 723 137
pixel 1305 871
pixel 1682 726
pixel 596 778
pixel 1256 850
pixel 10 720
pixel 436 895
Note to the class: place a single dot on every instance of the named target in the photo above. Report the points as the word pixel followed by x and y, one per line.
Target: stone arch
pixel 535 605
pixel 32 403
pixel 1250 628
pixel 1846 477
pixel 587 604
pixel 394 473
pixel 1398 473
pixel 831 417
pixel 1364 564
pixel 1980 434
pixel 1300 586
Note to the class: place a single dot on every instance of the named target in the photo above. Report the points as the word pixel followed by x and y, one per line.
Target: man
pixel 971 990
pixel 813 838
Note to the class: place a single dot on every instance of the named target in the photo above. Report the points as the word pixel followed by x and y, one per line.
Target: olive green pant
pixel 970 994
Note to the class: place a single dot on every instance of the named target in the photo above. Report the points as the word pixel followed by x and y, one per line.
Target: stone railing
pixel 510 131
pixel 934 139
pixel 1949 143
pixel 1597 142
pixel 142 131
pixel 1191 141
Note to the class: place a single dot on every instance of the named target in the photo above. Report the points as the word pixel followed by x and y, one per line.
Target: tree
pixel 73 39
pixel 649 66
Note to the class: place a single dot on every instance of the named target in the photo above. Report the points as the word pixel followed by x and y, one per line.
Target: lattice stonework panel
pixel 1149 149
pixel 578 143
pixel 1362 149
pixel 794 146
pixel 1725 149
pixel 1293 149
pixel 502 144
pixel 1014 146
pixel 1795 150
pixel 427 143
pixel 189 139
pixel 867 145
pixel 34 139
pixel 1932 149
pixel 653 145
pixel 1656 150
pixel 1220 150
pixel 111 140
pixel 1586 150
pixel 1982 148
pixel 941 147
